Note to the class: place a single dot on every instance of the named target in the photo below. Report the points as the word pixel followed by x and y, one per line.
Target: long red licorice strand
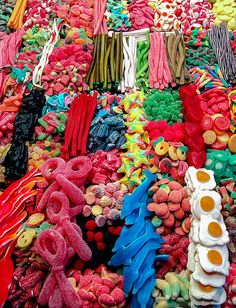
pixel 83 112
pixel 78 113
pixel 91 111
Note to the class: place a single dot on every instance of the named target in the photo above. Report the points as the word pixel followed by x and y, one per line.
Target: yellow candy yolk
pixel 206 289
pixel 214 229
pixel 214 257
pixel 207 203
pixel 203 176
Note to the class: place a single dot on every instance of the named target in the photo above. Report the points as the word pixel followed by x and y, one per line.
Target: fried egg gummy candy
pixel 208 256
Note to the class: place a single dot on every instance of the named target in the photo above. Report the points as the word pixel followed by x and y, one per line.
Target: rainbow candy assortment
pixel 117 153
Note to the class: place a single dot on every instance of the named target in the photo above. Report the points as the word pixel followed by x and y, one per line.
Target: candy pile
pixel 207 252
pixel 136 247
pixel 142 69
pixel 176 58
pixel 199 51
pixel 224 11
pixel 165 105
pixel 98 288
pixel 66 69
pixel 38 13
pixel 159 71
pixel 105 166
pixel 107 131
pixel 51 124
pixel 6 127
pixel 172 290
pixel 166 15
pixel 206 77
pixel 106 70
pixel 226 59
pixel 101 240
pixel 141 14
pixel 171 206
pixel 137 140
pixel 104 202
pixel 196 14
pixel 78 125
pixel 193 114
pixel 40 151
pixel 222 162
pixel 6 9
pixel 78 14
pixel 117 15
pixel 227 192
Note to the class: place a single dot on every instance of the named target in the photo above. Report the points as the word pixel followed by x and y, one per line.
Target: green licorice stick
pixel 97 61
pixel 93 61
pixel 101 62
pixel 91 79
pixel 174 52
pixel 121 56
pixel 117 68
pixel 108 78
pixel 112 57
pixel 143 70
pixel 181 60
pixel 106 65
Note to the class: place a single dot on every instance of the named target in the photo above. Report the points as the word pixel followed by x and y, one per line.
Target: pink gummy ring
pixel 52 167
pixel 78 168
pixel 207 123
pixel 222 123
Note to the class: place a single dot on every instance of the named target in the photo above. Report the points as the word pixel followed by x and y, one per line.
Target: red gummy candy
pixel 192 129
pixel 196 159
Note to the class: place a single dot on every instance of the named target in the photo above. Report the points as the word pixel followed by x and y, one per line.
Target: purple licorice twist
pixel 68 177
pixel 51 246
pixel 58 212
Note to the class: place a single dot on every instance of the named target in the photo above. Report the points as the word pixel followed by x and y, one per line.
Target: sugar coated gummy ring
pixel 165 165
pixel 78 167
pixel 162 148
pixel 51 246
pixel 153 168
pixel 181 152
pixel 58 206
pixel 173 152
pixel 52 167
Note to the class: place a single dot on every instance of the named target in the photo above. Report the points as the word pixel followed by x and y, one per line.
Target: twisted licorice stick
pixel 101 16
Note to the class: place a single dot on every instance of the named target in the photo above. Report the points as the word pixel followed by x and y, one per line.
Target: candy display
pixel 117 153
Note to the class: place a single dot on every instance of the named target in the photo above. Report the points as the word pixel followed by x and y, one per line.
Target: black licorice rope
pixel 220 42
pixel 25 122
